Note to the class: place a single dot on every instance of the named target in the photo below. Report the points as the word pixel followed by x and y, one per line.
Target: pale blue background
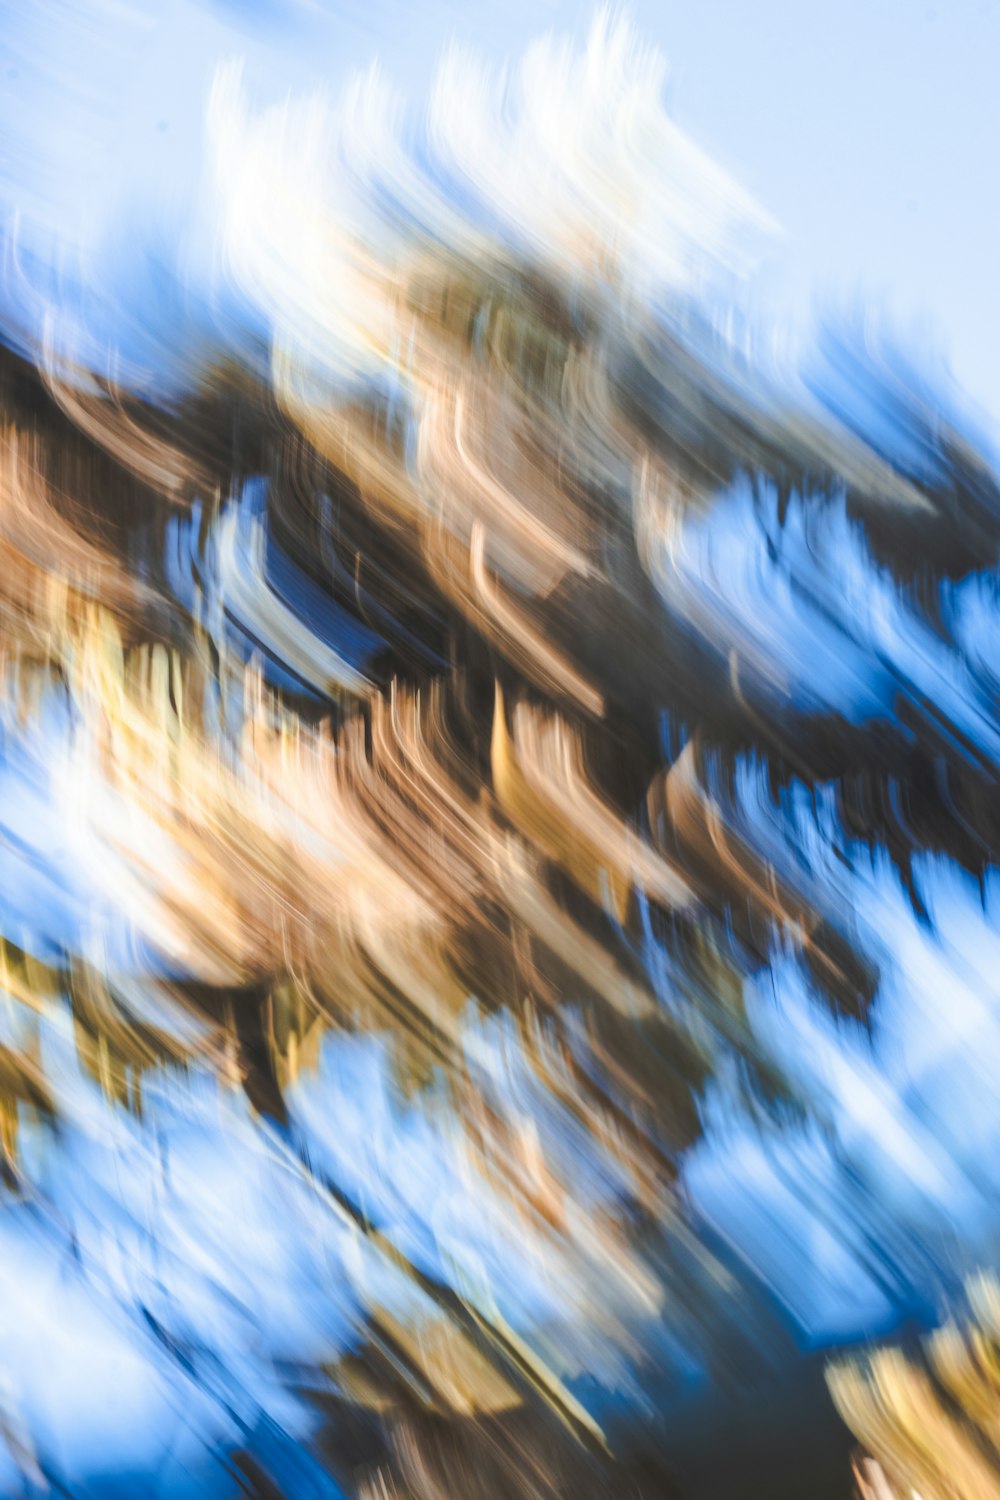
pixel 869 128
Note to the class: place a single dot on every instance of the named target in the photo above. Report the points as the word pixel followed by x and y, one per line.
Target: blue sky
pixel 869 129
